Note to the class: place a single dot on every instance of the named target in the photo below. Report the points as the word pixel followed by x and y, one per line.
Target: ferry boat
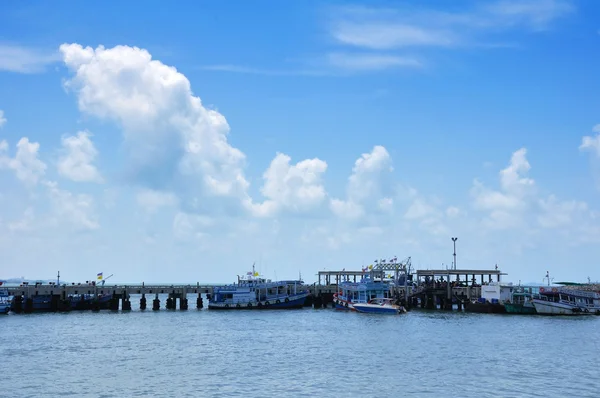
pixel 254 292
pixel 568 300
pixel 4 301
pixel 379 306
pixel 521 302
pixel 493 296
pixel 369 288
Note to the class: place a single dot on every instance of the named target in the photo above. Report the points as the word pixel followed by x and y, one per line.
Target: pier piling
pixel 156 303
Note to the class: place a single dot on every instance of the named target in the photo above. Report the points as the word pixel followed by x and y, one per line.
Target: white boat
pixel 379 306
pixel 255 292
pixel 568 300
pixel 352 293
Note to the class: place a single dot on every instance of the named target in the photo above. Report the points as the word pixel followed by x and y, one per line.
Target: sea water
pixel 297 353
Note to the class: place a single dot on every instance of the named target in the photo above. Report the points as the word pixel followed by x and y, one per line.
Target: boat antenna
pixel 58 278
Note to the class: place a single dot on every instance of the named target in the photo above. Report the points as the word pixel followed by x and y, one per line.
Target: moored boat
pixel 521 300
pixel 568 300
pixel 379 306
pixel 368 288
pixel 254 292
pixel 4 301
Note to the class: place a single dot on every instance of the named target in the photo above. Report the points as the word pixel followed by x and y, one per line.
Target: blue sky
pixel 183 143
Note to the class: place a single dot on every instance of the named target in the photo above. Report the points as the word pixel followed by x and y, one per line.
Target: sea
pixel 297 353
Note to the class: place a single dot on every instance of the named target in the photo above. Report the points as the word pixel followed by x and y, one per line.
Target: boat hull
pixel 485 308
pixel 376 309
pixel 519 309
pixel 277 304
pixel 553 308
pixel 343 305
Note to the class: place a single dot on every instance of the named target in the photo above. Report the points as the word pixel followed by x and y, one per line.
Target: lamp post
pixel 454 242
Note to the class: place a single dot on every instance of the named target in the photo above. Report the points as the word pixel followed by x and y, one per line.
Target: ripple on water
pixel 297 353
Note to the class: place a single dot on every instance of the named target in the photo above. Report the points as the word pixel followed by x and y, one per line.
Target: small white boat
pixel 379 306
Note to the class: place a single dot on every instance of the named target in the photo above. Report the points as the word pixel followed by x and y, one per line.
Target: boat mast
pixel 548 277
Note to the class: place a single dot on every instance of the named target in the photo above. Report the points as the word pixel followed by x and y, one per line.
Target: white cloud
pixel 298 187
pixel 382 29
pixel 381 36
pixel 75 209
pixel 452 211
pixel 173 140
pixel 386 204
pixel 346 209
pixel 506 205
pixel 557 214
pixel 358 62
pixel 25 223
pixel 78 155
pixel 25 60
pixel 26 165
pixel 419 209
pixel 534 13
pixel 592 143
pixel 366 185
pixel 152 200
pixel 188 227
pixel 2 118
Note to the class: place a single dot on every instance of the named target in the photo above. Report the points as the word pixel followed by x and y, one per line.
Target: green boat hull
pixel 519 309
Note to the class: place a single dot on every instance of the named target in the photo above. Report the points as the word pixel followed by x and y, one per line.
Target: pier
pixel 446 287
pixel 115 297
pixel 427 289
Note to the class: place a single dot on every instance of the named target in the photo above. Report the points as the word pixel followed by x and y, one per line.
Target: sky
pixel 185 143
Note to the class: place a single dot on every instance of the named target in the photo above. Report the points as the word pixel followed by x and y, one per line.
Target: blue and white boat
pixel 254 292
pixel 379 306
pixel 369 288
pixel 4 301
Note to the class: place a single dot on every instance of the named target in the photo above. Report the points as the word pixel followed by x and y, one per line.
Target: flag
pixel 99 276
pixel 370 267
pixel 256 274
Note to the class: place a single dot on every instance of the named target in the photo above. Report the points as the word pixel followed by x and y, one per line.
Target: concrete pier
pixel 428 289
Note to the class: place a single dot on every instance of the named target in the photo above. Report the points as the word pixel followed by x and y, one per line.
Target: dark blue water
pixel 298 353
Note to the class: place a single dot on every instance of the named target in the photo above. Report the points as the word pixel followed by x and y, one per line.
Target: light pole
pixel 454 241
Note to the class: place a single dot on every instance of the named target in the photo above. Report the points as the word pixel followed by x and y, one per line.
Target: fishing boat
pixel 521 300
pixel 4 301
pixel 368 288
pixel 379 306
pixel 255 292
pixel 568 300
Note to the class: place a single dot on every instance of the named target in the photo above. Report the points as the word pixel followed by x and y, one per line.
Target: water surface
pixel 297 353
